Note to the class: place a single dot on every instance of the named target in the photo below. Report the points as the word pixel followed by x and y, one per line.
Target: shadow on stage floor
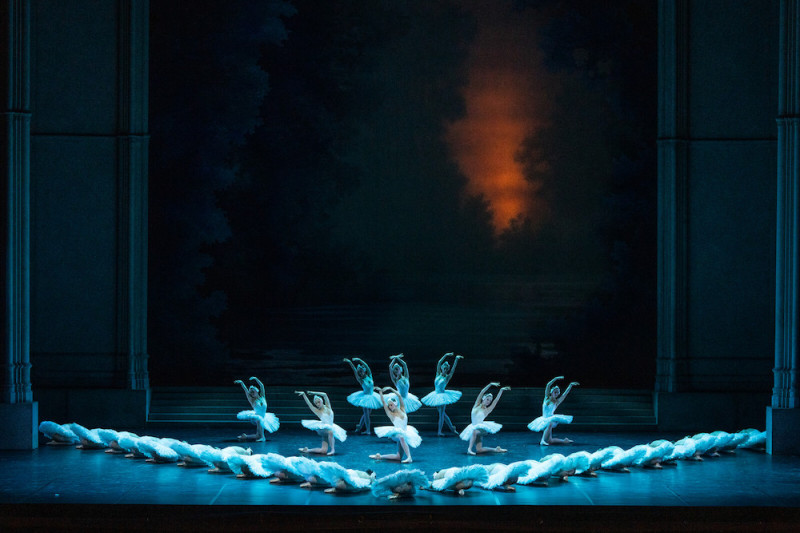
pixel 60 487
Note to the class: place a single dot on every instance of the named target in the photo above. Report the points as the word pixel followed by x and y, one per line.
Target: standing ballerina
pixel 398 371
pixel 324 427
pixel 440 397
pixel 549 420
pixel 259 415
pixel 366 398
pixel 479 427
pixel 399 431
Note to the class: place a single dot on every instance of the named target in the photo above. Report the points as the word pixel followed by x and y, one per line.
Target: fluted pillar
pixel 132 158
pixel 783 416
pixel 18 411
pixel 672 195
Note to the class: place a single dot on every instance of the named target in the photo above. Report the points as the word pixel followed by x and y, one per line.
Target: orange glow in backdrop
pixel 502 109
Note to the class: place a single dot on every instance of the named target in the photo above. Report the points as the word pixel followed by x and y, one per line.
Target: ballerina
pixel 324 427
pixel 258 415
pixel 399 431
pixel 441 397
pixel 366 398
pixel 549 420
pixel 398 371
pixel 402 483
pixel 59 434
pixel 459 478
pixel 479 427
pixel 344 480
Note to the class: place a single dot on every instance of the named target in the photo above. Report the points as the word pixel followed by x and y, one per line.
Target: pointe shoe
pixel 470 452
pixel 543 443
pixel 303 449
pixel 375 456
pixel 330 452
pixel 406 460
pixel 500 450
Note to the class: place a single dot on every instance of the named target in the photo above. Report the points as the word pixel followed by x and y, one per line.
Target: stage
pixel 57 485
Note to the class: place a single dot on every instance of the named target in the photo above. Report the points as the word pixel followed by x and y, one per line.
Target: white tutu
pixel 336 475
pixel 268 421
pixel 437 399
pixel 483 427
pixel 410 434
pixel 283 467
pixel 500 474
pixel 153 448
pixel 467 475
pixel 401 482
pixel 411 403
pixel 361 399
pixel 323 429
pixel 57 433
pixel 541 423
pixel 89 439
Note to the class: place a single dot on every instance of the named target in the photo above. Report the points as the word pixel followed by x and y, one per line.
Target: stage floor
pixel 764 484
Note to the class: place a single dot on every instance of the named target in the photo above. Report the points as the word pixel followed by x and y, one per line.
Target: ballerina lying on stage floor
pixel 399 431
pixel 549 420
pixel 398 371
pixel 324 427
pixel 480 426
pixel 441 397
pixel 366 398
pixel 258 415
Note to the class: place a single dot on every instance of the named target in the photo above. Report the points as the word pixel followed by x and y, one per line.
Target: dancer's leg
pixel 472 442
pixel 404 445
pixel 448 422
pixel 366 421
pixel 547 435
pixel 361 421
pixel 332 443
pixel 321 450
pixel 441 419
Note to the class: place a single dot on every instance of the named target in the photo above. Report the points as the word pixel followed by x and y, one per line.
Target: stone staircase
pixel 593 409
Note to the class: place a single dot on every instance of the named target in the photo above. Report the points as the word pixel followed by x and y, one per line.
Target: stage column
pixel 783 416
pixel 672 196
pixel 18 412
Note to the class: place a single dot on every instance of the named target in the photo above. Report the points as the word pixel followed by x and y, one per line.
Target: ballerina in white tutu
pixel 484 404
pixel 367 399
pixel 398 371
pixel 324 427
pixel 258 415
pixel 549 420
pixel 399 431
pixel 441 397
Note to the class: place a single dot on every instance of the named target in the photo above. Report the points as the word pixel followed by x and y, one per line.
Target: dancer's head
pixel 555 392
pixel 361 370
pixel 253 391
pixel 487 399
pixel 318 401
pixel 391 403
pixel 397 370
pixel 445 367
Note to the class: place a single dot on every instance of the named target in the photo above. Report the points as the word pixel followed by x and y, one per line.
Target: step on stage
pixel 57 488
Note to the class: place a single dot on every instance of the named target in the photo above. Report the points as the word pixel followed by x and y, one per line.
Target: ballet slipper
pixel 470 452
pixel 375 456
pixel 500 450
pixel 330 452
pixel 406 460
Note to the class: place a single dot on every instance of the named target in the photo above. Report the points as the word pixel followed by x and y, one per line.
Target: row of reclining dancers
pixel 335 478
pixel 397 403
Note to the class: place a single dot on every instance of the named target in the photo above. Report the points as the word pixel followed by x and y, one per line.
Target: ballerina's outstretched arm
pixel 367 370
pixel 549 386
pixel 352 366
pixel 322 395
pixel 240 382
pixel 479 399
pixel 441 361
pixel 260 386
pixel 310 405
pixel 400 401
pixel 564 395
pixel 497 399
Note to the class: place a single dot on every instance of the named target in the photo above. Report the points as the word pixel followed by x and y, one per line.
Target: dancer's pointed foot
pixel 330 490
pixel 304 449
pixel 470 452
pixel 375 456
pixel 544 443
pixel 460 492
pixel 440 434
pixel 568 441
pixel 511 488
pixel 365 432
pixel 406 460
pixel 330 452
pixel 500 450
pixel 261 439
pixel 305 485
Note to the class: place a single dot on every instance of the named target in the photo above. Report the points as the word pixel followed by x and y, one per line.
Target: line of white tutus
pixel 404 482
